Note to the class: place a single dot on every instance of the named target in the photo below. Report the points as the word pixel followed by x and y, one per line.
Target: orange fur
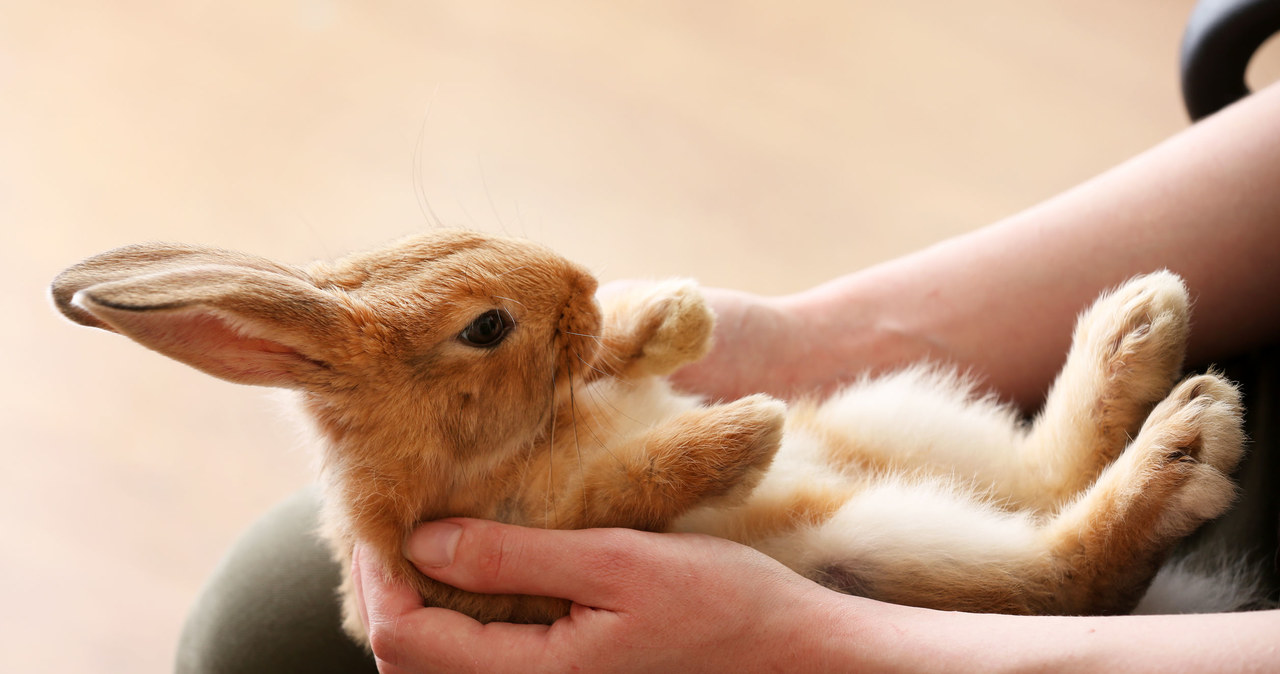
pixel 909 488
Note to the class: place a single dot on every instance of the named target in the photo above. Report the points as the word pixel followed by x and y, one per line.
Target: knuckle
pixel 494 552
pixel 385 642
pixel 615 553
pixel 491 557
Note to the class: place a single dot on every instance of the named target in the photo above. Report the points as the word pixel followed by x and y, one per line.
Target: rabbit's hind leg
pixel 1171 479
pixel 1126 353
pixel 923 541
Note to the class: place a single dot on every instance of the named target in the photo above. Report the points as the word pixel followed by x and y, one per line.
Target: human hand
pixel 642 602
pixel 671 602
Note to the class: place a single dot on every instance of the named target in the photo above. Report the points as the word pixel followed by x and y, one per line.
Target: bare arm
pixel 920 640
pixel 1226 642
pixel 666 602
pixel 1001 300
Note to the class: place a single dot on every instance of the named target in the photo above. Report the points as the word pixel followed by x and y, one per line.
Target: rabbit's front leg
pixel 1172 478
pixel 1126 354
pixel 653 329
pixel 716 453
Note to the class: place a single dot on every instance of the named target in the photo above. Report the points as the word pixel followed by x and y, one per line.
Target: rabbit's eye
pixel 487 330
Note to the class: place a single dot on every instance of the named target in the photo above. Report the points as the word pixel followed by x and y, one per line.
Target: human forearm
pixel 887 638
pixel 1001 300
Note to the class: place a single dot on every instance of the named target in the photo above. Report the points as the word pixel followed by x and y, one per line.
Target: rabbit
pixel 455 373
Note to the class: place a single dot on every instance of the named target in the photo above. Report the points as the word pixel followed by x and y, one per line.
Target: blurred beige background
pixel 759 145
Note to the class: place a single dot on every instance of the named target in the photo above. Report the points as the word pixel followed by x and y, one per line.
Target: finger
pixel 357 582
pixel 590 567
pixel 382 600
pixel 436 639
pixel 406 637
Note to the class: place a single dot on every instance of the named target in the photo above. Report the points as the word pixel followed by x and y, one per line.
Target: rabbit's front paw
pixel 654 329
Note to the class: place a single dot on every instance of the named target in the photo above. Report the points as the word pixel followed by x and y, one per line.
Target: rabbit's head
pixel 455 341
pixel 437 370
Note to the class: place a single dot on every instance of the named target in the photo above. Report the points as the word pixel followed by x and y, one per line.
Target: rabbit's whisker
pixel 500 297
pixel 577 446
pixel 602 373
pixel 604 401
pixel 600 399
pixel 418 175
pixel 612 430
pixel 549 506
pixel 489 194
pixel 598 338
pixel 511 271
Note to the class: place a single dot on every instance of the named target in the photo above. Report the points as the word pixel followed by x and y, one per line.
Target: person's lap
pixel 271 605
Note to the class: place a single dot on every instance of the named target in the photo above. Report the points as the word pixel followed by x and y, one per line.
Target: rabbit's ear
pixel 246 324
pixel 138 260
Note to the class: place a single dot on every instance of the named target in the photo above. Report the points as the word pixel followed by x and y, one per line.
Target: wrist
pixel 858 325
pixel 858 634
pixel 865 635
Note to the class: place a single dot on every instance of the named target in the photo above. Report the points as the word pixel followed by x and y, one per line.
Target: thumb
pixel 583 566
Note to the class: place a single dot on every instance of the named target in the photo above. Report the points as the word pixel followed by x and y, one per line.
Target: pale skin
pixel 999 301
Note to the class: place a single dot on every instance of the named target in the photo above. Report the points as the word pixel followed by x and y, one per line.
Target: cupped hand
pixel 641 602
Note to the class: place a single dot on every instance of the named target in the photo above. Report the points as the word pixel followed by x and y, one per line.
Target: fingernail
pixel 433 544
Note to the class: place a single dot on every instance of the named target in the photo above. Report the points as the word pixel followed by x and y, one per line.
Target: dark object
pixel 1221 37
pixel 271 606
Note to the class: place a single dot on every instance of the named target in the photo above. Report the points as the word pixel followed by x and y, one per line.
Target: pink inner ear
pixel 207 342
pixel 223 351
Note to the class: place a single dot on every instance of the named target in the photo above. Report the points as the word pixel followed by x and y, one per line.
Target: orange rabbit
pixel 460 374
